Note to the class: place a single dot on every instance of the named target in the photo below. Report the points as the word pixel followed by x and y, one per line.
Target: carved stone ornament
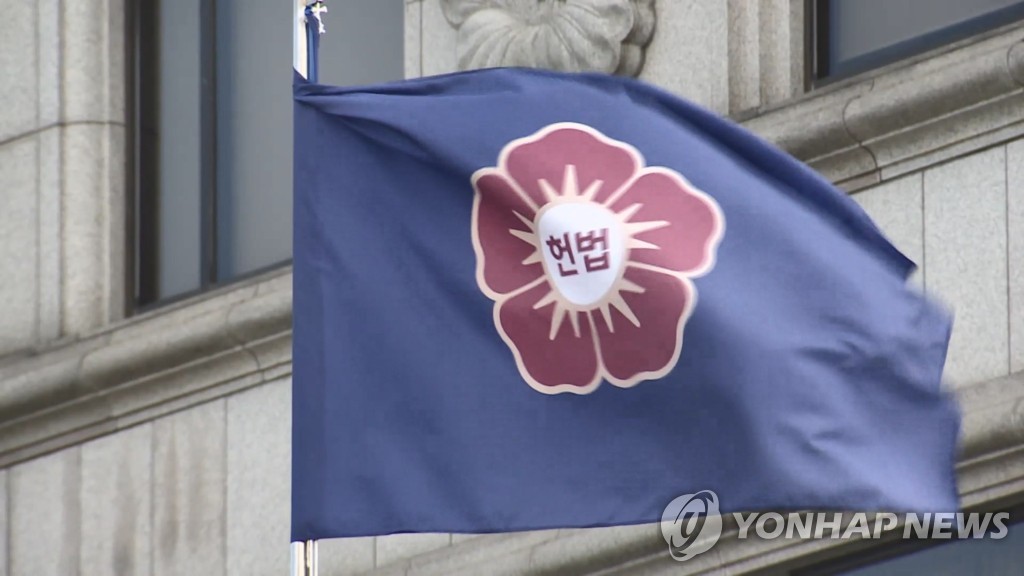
pixel 566 35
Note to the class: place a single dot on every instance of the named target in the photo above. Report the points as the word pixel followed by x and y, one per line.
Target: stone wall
pixel 62 136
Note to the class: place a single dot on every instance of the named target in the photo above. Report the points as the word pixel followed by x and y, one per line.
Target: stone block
pixel 1015 222
pixel 49 39
pixel 18 61
pixel 969 90
pixel 5 519
pixel 346 556
pixel 258 480
pixel 402 546
pixel 49 233
pixel 485 553
pixel 413 39
pixel 689 54
pixel 781 36
pixel 93 226
pixel 189 485
pixel 965 261
pixel 437 40
pixel 263 315
pixel 828 139
pixel 45 515
pixel 115 209
pixel 897 207
pixel 280 280
pixel 744 55
pixel 93 66
pixel 18 221
pixel 273 354
pixel 116 504
pixel 594 547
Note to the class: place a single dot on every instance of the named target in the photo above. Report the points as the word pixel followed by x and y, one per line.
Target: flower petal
pixel 693 224
pixel 485 38
pixel 567 363
pixel 457 11
pixel 567 35
pixel 594 158
pixel 500 253
pixel 608 22
pixel 632 353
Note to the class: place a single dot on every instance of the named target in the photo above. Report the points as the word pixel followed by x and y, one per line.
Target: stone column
pixel 62 168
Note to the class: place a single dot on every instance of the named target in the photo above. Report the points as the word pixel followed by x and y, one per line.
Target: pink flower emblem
pixel 589 257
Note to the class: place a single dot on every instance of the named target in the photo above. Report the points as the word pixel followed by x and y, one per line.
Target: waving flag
pixel 527 300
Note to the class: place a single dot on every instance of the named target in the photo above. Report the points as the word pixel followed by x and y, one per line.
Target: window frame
pixel 144 219
pixel 819 69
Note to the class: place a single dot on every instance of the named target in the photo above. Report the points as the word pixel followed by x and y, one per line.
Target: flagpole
pixel 312 560
pixel 299 38
pixel 305 558
pixel 298 563
pixel 307 23
pixel 307 26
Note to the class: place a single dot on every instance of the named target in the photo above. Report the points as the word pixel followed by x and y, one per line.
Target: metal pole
pixel 308 24
pixel 312 560
pixel 299 36
pixel 304 561
pixel 298 564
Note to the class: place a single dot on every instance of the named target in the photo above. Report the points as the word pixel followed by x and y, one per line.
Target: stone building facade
pixel 156 442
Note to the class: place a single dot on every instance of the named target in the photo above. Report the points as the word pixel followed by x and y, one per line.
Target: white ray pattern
pixel 562 308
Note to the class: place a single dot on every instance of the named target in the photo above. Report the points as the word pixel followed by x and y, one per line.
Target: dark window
pixel 213 129
pixel 852 36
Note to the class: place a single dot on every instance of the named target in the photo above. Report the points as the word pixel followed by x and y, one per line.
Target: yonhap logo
pixel 691 524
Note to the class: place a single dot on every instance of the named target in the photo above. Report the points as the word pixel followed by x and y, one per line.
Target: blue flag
pixel 527 300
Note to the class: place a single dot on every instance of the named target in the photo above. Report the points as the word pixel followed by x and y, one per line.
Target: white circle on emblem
pixel 583 248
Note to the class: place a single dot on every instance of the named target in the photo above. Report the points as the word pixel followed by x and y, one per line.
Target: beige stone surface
pixel 19 217
pixel 92 226
pixel 413 38
pixel 189 508
pixel 689 54
pixel 965 260
pixel 49 38
pixel 48 233
pixel 346 556
pixel 781 38
pixel 744 55
pixel 397 547
pixel 437 40
pixel 44 532
pixel 4 521
pixel 897 207
pixel 116 504
pixel 93 54
pixel 1015 260
pixel 19 90
pixel 259 480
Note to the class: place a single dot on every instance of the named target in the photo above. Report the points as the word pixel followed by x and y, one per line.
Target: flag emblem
pixel 589 256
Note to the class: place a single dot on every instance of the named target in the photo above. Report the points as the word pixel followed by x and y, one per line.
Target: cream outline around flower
pixel 613 296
